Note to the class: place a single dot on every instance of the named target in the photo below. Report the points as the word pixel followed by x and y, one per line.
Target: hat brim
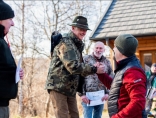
pixel 80 26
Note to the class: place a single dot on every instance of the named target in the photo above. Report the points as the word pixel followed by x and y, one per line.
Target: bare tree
pixel 20 47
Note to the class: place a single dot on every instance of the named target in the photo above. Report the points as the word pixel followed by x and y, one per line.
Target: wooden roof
pixel 121 17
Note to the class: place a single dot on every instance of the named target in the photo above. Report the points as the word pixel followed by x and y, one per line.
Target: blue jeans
pixel 92 111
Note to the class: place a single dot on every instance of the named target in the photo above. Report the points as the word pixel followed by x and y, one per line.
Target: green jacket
pixel 152 83
pixel 66 66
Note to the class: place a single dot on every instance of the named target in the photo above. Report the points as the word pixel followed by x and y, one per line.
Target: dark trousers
pixel 4 112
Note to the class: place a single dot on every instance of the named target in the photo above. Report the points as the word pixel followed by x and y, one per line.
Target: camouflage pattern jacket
pixel 92 83
pixel 66 66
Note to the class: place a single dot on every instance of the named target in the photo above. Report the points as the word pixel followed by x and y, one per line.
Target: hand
pixel 85 99
pixel 21 73
pixel 97 64
pixel 105 97
pixel 100 69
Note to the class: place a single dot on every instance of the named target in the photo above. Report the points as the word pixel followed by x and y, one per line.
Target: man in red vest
pixel 128 88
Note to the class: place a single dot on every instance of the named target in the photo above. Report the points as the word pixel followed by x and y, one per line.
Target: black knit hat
pixel 6 11
pixel 81 22
pixel 126 44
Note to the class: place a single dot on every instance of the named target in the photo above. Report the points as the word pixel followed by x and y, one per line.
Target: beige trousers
pixel 4 112
pixel 64 106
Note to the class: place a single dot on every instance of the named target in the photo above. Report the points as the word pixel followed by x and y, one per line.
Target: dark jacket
pixel 8 87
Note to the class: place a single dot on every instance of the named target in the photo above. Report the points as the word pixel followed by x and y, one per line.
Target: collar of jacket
pixel 2 31
pixel 121 64
pixel 79 44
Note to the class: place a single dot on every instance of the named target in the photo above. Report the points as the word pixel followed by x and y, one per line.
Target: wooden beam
pixel 107 41
pixel 146 48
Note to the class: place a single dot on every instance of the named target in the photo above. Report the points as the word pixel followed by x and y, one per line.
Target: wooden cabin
pixel 130 17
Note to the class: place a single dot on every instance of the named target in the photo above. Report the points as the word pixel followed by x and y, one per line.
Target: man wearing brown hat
pixel 128 88
pixel 65 70
pixel 8 86
pixel 151 87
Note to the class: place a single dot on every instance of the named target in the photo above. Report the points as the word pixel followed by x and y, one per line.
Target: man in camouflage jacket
pixel 66 67
pixel 93 84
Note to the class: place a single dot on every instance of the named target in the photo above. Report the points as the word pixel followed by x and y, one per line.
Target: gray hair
pixel 99 42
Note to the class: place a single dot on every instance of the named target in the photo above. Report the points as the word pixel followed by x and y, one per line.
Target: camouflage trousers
pixel 64 106
pixel 4 112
